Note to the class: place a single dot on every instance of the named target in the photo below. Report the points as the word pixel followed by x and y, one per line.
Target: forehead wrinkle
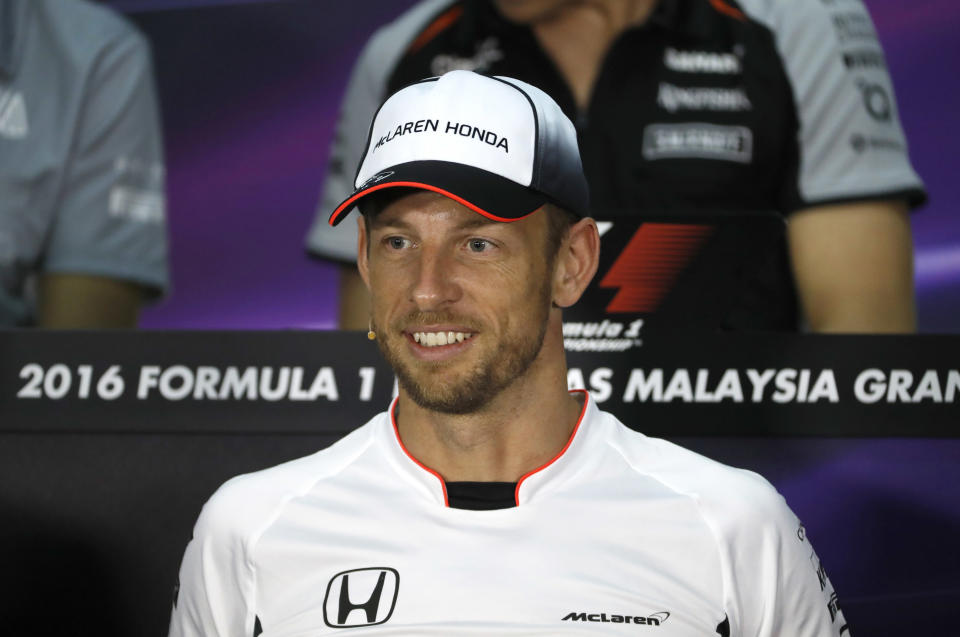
pixel 474 220
pixel 478 221
pixel 378 223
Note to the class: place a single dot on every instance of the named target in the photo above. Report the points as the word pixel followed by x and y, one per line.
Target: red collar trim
pixel 576 428
pixel 516 492
pixel 396 432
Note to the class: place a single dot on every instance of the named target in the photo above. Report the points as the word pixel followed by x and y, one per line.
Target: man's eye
pixel 478 245
pixel 397 243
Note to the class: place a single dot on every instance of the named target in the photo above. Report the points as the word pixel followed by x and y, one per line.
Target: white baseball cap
pixel 495 144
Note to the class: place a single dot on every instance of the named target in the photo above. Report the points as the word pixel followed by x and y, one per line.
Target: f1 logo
pixel 361 597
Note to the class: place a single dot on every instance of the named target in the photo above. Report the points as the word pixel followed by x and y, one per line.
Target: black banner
pixel 680 384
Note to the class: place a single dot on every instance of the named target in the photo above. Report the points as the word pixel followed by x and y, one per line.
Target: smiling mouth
pixel 437 339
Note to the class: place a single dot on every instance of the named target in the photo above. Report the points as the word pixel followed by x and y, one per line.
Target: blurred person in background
pixel 82 207
pixel 754 105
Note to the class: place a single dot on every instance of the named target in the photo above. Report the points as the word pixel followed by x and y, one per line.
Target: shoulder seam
pixel 440 23
pixel 254 538
pixel 714 532
pixel 405 29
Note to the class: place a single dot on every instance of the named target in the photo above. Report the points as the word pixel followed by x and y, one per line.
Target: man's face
pixel 460 303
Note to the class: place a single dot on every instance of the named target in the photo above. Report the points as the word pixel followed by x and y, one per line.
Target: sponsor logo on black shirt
pixel 701 62
pixel 487 52
pixel 680 98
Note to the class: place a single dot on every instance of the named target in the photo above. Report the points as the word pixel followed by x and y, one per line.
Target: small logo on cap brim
pixel 375 179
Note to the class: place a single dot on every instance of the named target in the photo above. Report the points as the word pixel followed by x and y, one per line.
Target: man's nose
pixel 435 285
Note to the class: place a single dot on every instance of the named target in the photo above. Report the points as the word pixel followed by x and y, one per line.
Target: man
pixel 489 500
pixel 778 106
pixel 82 206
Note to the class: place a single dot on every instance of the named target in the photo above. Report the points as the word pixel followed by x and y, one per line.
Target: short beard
pixel 479 385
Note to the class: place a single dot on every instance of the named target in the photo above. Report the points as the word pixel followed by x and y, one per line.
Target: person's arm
pixel 107 245
pixel 79 301
pixel 849 182
pixel 365 91
pixel 339 243
pixel 215 586
pixel 853 267
pixel 775 584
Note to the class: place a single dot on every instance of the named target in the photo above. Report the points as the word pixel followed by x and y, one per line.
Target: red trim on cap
pixel 413 184
pixel 396 431
pixel 576 428
pixel 435 28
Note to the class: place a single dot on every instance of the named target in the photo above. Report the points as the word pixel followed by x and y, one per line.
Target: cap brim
pixel 486 193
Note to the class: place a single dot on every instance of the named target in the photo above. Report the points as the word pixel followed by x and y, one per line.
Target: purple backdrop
pixel 250 93
pixel 923 53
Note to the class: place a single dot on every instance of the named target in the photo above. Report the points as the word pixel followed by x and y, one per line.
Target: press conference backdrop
pixel 250 92
pixel 111 442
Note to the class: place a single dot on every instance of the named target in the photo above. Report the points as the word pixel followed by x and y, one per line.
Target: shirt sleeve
pixel 850 144
pixel 366 90
pixel 776 584
pixel 110 217
pixel 215 587
pixel 364 94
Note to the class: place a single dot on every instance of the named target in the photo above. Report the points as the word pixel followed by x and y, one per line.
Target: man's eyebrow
pixel 377 224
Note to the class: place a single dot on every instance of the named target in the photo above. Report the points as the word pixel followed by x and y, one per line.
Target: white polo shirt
pixel 620 534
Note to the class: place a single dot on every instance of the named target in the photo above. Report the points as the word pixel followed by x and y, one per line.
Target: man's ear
pixel 576 262
pixel 363 254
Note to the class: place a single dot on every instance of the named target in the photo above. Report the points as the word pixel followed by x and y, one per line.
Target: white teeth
pixel 434 339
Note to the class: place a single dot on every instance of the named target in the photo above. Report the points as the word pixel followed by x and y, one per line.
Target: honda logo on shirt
pixel 361 597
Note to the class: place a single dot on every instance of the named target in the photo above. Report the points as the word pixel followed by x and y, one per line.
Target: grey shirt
pixel 81 157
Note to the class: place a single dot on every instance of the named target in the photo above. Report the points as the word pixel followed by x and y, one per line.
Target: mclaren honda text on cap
pixel 497 145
